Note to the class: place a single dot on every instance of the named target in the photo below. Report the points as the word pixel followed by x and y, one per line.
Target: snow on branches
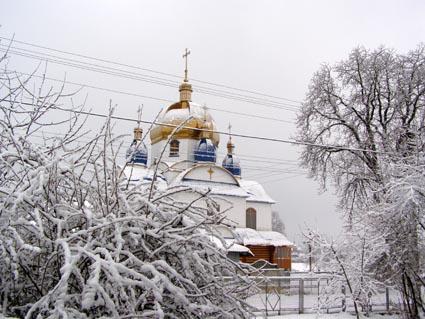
pixel 78 241
pixel 371 107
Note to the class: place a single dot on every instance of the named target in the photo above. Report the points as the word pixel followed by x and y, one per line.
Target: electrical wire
pixel 138 77
pixel 261 138
pixel 243 157
pixel 151 97
pixel 267 171
pixel 146 69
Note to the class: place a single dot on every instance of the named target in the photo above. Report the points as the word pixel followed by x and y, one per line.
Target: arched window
pixel 251 218
pixel 174 148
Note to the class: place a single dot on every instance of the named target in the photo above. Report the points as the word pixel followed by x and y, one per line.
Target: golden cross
pixel 210 171
pixel 205 112
pixel 185 55
pixel 139 115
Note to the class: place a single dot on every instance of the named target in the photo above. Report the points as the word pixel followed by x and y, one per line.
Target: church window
pixel 174 148
pixel 251 218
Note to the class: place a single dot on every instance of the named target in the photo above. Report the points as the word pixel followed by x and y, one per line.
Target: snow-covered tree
pixel 350 261
pixel 372 108
pixel 78 241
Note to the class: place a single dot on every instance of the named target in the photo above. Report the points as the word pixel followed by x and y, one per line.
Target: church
pixel 189 158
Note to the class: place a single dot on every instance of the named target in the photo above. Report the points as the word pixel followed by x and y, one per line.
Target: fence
pixel 311 293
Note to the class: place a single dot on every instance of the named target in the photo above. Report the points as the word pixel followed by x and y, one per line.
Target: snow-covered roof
pixel 182 114
pixel 256 192
pixel 141 174
pixel 231 246
pixel 236 248
pixel 248 236
pixel 215 187
pixel 136 173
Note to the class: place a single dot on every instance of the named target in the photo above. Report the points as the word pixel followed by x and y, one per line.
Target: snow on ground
pixel 331 316
pixel 300 267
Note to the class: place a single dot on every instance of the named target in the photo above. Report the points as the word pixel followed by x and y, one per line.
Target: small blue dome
pixel 231 163
pixel 205 151
pixel 137 154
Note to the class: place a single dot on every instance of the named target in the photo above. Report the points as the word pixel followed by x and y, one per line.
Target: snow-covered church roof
pixel 215 188
pixel 140 174
pixel 256 192
pixel 231 246
pixel 248 236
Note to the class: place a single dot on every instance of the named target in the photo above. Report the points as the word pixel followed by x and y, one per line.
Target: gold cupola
pixel 177 113
pixel 206 126
pixel 137 153
pixel 230 145
pixel 138 132
pixel 230 161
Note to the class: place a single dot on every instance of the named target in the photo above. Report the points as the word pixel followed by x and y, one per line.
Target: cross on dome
pixel 205 111
pixel 185 55
pixel 138 132
pixel 185 88
pixel 230 145
pixel 139 115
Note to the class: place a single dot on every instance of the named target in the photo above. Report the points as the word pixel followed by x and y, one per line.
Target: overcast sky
pixel 272 47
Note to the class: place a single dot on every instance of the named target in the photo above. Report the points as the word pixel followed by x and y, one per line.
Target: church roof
pixel 256 192
pixel 230 246
pixel 216 188
pixel 141 174
pixel 248 236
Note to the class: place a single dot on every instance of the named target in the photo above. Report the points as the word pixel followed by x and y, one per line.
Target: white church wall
pixel 186 150
pixel 236 213
pixel 187 197
pixel 181 166
pixel 170 175
pixel 264 214
pixel 235 210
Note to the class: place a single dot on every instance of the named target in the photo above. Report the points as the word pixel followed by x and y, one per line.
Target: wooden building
pixel 270 246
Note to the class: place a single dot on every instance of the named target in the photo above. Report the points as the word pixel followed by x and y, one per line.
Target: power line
pixel 148 70
pixel 149 79
pixel 268 170
pixel 243 157
pixel 275 168
pixel 281 179
pixel 261 138
pixel 170 82
pixel 151 97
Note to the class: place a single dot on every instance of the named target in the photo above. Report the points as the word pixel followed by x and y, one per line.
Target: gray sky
pixel 268 46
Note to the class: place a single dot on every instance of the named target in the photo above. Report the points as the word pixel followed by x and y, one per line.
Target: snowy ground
pixel 330 316
pixel 290 303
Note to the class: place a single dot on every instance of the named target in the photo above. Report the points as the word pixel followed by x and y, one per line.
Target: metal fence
pixel 309 293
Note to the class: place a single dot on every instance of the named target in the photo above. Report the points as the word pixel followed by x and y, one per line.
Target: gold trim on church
pixel 193 128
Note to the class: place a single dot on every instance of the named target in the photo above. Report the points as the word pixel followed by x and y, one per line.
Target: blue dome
pixel 205 151
pixel 231 163
pixel 137 154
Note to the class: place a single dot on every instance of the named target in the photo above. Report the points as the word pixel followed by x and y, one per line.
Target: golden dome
pixel 176 114
pixel 230 146
pixel 179 112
